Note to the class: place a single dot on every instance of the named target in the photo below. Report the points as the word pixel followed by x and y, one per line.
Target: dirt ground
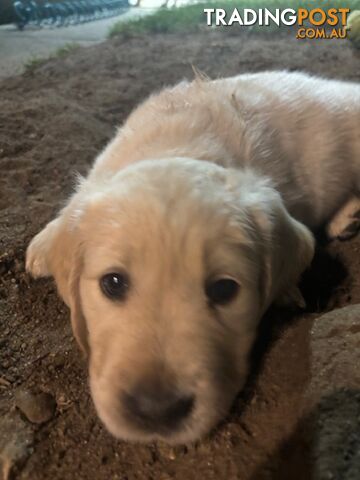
pixel 53 121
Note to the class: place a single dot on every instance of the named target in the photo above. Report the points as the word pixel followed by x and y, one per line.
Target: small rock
pixel 4 382
pixel 172 454
pixel 37 408
pixel 16 441
pixel 166 451
pixel 59 361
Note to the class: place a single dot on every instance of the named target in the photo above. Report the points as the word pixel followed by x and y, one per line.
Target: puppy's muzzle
pixel 156 408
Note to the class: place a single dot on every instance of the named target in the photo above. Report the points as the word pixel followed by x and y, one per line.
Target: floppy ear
pixel 57 251
pixel 284 245
pixel 287 248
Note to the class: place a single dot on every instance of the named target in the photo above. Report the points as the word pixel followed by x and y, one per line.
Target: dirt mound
pixel 53 121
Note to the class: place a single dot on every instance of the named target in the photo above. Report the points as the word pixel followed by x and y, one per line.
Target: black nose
pixel 157 409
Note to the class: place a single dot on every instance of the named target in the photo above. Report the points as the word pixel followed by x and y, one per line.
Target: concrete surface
pixel 18 47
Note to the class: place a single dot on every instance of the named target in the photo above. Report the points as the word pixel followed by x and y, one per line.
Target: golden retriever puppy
pixel 193 220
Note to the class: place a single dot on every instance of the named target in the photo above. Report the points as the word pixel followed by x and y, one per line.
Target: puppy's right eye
pixel 115 285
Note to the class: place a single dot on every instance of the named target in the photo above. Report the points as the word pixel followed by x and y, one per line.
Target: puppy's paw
pixel 346 223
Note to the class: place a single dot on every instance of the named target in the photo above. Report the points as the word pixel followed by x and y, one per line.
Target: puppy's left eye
pixel 221 290
pixel 115 285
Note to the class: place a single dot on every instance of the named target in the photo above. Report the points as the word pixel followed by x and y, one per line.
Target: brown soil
pixel 53 121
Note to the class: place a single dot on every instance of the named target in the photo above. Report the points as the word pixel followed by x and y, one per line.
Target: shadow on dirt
pixel 325 444
pixel 318 285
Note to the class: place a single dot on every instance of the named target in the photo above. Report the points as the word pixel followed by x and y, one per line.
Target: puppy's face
pixel 169 277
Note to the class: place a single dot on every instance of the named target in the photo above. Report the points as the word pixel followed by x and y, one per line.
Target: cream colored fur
pixel 208 178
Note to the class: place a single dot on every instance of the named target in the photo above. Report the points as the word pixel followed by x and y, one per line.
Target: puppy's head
pixel 167 268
